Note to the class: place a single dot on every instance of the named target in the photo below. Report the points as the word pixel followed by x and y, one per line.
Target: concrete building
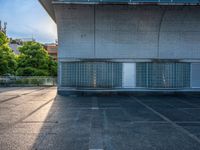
pixel 52 50
pixel 15 47
pixel 3 28
pixel 127 45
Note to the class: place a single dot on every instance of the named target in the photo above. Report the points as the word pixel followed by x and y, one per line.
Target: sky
pixel 27 18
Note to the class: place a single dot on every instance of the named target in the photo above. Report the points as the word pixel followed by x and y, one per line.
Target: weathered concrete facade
pixel 123 31
pixel 99 44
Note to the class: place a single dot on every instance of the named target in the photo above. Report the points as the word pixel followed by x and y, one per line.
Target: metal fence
pixel 27 81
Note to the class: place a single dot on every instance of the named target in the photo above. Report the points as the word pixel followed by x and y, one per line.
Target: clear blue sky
pixel 26 18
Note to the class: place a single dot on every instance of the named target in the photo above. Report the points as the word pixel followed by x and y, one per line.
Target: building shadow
pixel 64 123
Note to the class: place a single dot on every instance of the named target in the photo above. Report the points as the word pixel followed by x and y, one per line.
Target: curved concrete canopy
pixel 128 32
pixel 48 4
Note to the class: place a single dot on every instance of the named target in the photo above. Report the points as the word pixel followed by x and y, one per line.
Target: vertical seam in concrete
pixel 159 29
pixel 94 30
pixel 169 121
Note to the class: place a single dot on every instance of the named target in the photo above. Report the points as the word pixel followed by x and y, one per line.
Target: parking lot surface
pixel 38 118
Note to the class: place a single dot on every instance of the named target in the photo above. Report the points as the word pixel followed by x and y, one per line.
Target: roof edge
pixel 48 6
pixel 126 2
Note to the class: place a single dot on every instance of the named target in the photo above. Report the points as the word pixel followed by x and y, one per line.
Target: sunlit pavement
pixel 36 118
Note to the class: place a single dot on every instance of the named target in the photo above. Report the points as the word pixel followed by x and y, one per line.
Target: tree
pixel 52 67
pixel 7 57
pixel 35 61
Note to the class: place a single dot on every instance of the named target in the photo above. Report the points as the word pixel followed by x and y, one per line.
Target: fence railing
pixel 27 81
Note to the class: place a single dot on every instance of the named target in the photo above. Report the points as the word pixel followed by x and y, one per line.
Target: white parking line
pixel 168 120
pixel 96 133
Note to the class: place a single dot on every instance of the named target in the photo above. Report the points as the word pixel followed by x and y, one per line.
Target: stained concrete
pixel 37 118
pixel 128 32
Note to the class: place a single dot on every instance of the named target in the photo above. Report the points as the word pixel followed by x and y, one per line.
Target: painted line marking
pixel 168 120
pixel 96 132
pixel 95 108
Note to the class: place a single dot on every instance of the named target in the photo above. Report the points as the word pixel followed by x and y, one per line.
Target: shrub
pixel 28 71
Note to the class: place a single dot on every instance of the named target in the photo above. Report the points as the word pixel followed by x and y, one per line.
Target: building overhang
pixel 48 4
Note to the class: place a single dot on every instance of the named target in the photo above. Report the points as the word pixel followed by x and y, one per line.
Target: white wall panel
pixel 129 75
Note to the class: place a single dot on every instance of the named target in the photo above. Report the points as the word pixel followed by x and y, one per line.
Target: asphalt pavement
pixel 38 118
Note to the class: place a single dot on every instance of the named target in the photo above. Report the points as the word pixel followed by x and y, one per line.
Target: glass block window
pixel 163 75
pixel 76 73
pixel 91 74
pixel 141 75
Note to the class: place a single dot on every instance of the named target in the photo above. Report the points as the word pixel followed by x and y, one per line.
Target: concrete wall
pixel 122 31
pixel 75 31
pixel 180 33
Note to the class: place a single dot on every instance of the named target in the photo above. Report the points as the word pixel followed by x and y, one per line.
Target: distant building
pixel 16 43
pixel 3 28
pixel 28 39
pixel 52 50
pixel 15 47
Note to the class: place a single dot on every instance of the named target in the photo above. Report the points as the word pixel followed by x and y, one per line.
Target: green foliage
pixel 52 67
pixel 7 57
pixel 3 39
pixel 30 81
pixel 29 71
pixel 33 55
pixel 35 61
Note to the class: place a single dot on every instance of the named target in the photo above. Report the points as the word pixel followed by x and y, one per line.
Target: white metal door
pixel 129 75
